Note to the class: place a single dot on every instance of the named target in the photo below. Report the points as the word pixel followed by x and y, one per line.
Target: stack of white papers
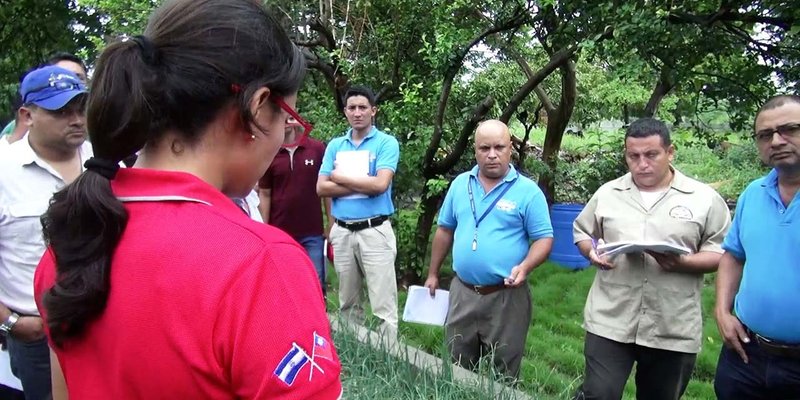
pixel 6 377
pixel 353 163
pixel 423 309
pixel 615 248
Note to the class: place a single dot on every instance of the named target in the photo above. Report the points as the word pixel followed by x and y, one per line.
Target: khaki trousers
pixel 368 254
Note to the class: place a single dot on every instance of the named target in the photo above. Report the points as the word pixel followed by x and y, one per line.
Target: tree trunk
pixel 557 121
pixel 665 84
pixel 626 115
pixel 428 208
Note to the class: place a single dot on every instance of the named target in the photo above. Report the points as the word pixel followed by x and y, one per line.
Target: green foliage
pixel 437 186
pixel 405 229
pixel 31 30
pixel 582 169
pixel 729 170
pixel 122 17
pixel 604 94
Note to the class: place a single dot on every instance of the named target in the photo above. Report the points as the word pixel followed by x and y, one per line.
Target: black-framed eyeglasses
pixel 298 120
pixel 787 131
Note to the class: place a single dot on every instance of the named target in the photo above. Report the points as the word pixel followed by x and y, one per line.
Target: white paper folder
pixel 612 249
pixel 421 308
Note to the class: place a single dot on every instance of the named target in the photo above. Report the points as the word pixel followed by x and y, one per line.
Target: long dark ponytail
pixel 196 57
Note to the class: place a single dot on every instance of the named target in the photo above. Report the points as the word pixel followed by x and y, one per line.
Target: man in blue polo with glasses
pixel 357 172
pixel 758 281
pixel 49 157
pixel 498 224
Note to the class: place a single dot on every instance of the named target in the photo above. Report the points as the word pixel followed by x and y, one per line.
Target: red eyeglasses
pixel 299 121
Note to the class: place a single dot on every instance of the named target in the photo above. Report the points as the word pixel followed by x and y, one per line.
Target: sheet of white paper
pixel 6 377
pixel 615 248
pixel 423 309
pixel 353 163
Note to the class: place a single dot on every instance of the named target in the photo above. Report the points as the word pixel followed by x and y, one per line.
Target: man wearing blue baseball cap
pixel 49 157
pixel 13 132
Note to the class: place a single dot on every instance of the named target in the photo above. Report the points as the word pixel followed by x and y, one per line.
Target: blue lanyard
pixel 487 211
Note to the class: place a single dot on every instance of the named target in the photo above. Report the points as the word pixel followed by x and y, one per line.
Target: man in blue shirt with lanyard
pixel 357 172
pixel 758 282
pixel 490 216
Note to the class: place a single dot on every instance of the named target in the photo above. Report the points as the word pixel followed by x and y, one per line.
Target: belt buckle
pixel 477 288
pixel 762 339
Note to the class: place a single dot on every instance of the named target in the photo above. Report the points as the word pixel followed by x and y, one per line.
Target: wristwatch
pixel 8 324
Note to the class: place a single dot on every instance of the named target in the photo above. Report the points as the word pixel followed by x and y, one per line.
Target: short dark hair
pixel 16 102
pixel 195 59
pixel 59 56
pixel 645 127
pixel 359 91
pixel 777 101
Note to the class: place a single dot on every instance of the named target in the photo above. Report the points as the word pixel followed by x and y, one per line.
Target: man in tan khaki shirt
pixel 646 307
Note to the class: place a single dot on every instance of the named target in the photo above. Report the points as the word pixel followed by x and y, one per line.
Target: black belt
pixel 483 289
pixel 775 348
pixel 362 224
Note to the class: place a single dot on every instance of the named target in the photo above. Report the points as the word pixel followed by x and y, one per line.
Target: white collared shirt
pixel 26 185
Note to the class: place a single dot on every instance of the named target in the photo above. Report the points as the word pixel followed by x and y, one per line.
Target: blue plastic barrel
pixel 565 253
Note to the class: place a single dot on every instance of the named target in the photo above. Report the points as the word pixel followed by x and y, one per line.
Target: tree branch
pixel 308 43
pixel 447 84
pixel 547 104
pixel 394 83
pixel 326 36
pixel 544 99
pixel 724 14
pixel 557 60
pixel 534 80
pixel 665 84
pixel 328 71
pixel 478 114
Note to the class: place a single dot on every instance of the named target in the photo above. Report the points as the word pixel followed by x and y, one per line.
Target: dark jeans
pixel 766 376
pixel 7 393
pixel 660 374
pixel 30 362
pixel 313 246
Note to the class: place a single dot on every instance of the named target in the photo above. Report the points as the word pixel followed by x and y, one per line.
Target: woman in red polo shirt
pixel 156 285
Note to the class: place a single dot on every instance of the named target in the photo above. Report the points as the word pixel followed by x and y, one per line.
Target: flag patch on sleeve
pixel 291 364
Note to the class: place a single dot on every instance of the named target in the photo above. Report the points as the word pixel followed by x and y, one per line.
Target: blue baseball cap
pixel 50 87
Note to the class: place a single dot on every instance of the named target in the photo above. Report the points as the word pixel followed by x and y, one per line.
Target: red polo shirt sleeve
pixel 276 348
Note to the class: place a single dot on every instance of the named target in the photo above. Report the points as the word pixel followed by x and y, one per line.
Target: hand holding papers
pixel 353 163
pixel 424 309
pixel 615 248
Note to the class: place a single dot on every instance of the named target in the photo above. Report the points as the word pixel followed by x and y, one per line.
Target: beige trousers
pixel 368 254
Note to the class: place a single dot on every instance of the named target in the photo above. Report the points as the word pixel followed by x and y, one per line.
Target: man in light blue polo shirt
pixel 357 172
pixel 758 282
pixel 490 216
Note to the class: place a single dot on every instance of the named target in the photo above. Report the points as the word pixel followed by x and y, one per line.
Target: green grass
pixel 553 363
pixel 369 373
